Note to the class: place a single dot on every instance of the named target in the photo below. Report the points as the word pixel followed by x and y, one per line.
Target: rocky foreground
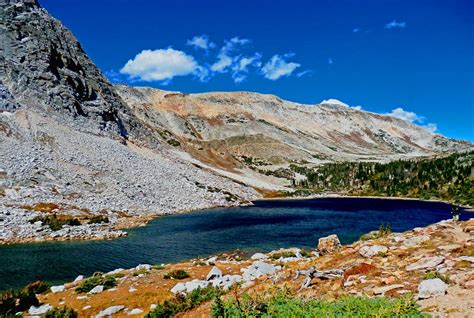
pixel 435 264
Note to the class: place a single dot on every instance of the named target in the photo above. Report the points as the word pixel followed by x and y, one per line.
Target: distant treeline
pixel 448 178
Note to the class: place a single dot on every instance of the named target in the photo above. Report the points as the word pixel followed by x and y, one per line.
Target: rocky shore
pixel 435 264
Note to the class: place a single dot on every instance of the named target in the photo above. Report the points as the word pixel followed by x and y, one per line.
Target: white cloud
pixel 405 115
pixel 224 59
pixel 278 67
pixel 162 65
pixel 395 24
pixel 201 42
pixel 333 101
pixel 357 107
pixel 432 128
pixel 240 68
pixel 303 73
pixel 412 118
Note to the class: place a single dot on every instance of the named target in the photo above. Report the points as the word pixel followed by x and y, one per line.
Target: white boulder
pixel 431 287
pixel 109 311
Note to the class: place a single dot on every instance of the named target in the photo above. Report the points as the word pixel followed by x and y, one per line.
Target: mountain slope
pixel 70 146
pixel 235 130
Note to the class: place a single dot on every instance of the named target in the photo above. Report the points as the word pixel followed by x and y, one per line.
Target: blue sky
pixel 414 57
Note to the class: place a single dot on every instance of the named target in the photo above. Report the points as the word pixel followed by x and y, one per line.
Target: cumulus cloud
pixel 412 118
pixel 395 24
pixel 201 42
pixel 432 128
pixel 278 67
pixel 162 65
pixel 224 58
pixel 405 115
pixel 241 66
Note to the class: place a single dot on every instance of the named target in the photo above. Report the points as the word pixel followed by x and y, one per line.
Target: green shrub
pixel 176 274
pixel 432 275
pixel 108 281
pixel 37 287
pixel 384 230
pixel 98 219
pixel 158 266
pixel 13 301
pixel 64 312
pixel 283 305
pixel 183 303
pixel 174 142
pixel 55 223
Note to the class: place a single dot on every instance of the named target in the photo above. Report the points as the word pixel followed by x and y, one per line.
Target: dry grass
pixel 361 269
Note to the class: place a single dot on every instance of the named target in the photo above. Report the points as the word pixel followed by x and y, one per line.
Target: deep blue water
pixel 263 227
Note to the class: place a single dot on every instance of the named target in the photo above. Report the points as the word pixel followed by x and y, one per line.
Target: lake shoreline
pixel 118 230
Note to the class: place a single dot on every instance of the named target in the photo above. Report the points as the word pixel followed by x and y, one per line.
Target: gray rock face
pixel 43 65
pixel 431 288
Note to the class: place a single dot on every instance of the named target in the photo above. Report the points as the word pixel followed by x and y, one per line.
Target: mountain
pixel 69 144
pixel 242 132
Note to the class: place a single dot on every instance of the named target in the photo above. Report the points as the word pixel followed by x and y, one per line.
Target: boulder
pixel 257 269
pixel 258 256
pixel 109 311
pixel 382 290
pixel 79 278
pixel 135 311
pixel 195 284
pixel 329 244
pixel 372 250
pixel 97 289
pixel 146 267
pixel 426 263
pixel 467 258
pixel 116 271
pixel 214 273
pixel 41 310
pixel 58 289
pixel 416 240
pixel 431 287
pixel 178 288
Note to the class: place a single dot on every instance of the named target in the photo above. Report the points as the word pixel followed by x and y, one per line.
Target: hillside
pixel 243 132
pixel 71 149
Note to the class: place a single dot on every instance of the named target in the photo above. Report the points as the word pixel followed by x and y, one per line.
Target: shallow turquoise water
pixel 263 227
